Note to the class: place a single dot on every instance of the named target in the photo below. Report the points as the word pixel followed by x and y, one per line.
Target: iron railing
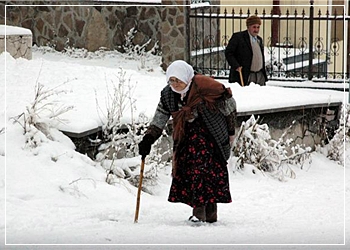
pixel 289 54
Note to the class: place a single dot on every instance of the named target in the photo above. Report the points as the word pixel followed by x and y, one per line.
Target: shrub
pixel 120 139
pixel 334 150
pixel 41 115
pixel 253 145
pixel 138 51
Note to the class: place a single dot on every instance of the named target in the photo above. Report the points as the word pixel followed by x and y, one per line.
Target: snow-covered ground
pixel 56 198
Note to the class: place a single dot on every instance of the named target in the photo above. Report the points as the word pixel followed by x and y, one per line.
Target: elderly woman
pixel 203 113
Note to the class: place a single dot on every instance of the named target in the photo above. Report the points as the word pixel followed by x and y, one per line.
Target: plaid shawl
pixel 205 90
pixel 206 95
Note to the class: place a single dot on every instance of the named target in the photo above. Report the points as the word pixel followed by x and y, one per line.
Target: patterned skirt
pixel 201 174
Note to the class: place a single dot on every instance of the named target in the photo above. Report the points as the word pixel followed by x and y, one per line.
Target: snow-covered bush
pixel 120 139
pixel 119 98
pixel 41 115
pixel 334 150
pixel 116 169
pixel 131 52
pixel 118 136
pixel 275 67
pixel 157 160
pixel 138 51
pixel 254 145
pixel 84 53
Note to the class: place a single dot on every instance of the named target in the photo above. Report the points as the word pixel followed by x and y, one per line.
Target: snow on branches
pixel 120 140
pixel 41 115
pixel 334 150
pixel 254 145
pixel 138 51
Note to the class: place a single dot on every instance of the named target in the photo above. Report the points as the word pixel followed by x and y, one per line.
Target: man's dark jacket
pixel 239 52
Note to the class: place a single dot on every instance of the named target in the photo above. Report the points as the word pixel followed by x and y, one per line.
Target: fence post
pixel 311 38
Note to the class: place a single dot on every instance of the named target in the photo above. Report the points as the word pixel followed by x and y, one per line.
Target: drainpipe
pixel 311 36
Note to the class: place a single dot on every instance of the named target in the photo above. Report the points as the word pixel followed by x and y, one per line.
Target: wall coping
pixel 239 114
pixel 289 108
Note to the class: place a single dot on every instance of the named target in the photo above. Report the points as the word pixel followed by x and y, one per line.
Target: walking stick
pixel 139 190
pixel 240 76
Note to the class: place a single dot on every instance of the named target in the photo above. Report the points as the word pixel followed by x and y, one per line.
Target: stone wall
pixel 89 27
pixel 17 45
pixel 175 32
pixel 18 41
pixel 309 126
pixel 96 26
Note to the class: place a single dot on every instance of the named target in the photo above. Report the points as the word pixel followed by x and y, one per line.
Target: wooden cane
pixel 139 191
pixel 240 76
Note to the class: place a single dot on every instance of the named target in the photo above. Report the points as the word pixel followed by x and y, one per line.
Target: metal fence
pixel 289 54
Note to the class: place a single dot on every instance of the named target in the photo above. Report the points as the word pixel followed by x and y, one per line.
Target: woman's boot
pixel 198 214
pixel 211 212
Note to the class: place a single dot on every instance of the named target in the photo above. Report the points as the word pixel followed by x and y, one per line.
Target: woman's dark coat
pixel 238 53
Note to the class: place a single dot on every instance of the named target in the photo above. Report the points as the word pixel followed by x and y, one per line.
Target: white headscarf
pixel 182 71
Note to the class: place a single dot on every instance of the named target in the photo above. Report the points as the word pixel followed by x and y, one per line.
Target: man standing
pixel 245 53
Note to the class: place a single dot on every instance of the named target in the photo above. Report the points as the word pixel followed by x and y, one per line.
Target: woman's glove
pixel 145 145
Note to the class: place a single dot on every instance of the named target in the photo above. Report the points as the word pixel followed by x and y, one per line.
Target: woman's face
pixel 177 84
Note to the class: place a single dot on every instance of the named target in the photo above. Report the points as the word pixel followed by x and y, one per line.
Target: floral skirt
pixel 201 176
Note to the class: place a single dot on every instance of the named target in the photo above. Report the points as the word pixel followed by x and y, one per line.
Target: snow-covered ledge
pixel 18 41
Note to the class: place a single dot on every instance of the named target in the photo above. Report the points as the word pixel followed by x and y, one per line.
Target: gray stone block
pixel 18 41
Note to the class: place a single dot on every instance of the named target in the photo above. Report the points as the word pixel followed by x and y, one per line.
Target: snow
pixel 132 1
pixel 56 196
pixel 271 97
pixel 12 30
pixel 194 4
